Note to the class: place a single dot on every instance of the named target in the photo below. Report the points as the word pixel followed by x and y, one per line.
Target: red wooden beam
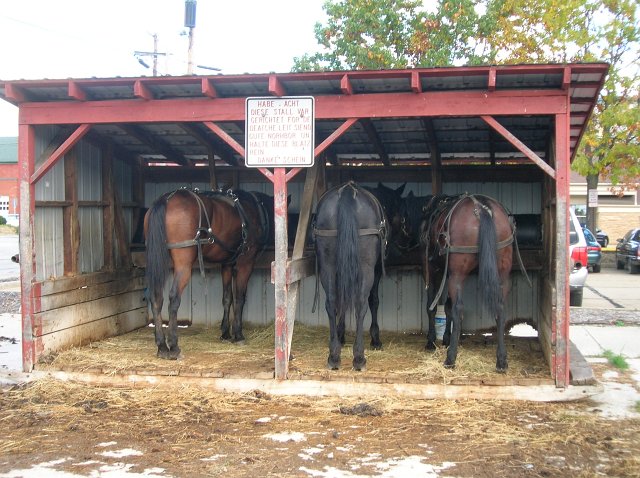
pixel 61 151
pixel 76 91
pixel 226 138
pixel 208 88
pixel 14 93
pixel 519 145
pixel 491 84
pixel 30 293
pixel 276 88
pixel 382 105
pixel 566 78
pixel 560 326
pixel 416 84
pixel 141 90
pixel 345 85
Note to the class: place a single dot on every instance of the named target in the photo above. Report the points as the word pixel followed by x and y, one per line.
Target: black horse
pixel 350 236
pixel 458 235
pixel 185 226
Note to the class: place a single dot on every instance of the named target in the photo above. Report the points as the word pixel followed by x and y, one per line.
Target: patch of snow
pixel 213 458
pixel 285 437
pixel 107 443
pixel 263 420
pixel 392 468
pixel 121 453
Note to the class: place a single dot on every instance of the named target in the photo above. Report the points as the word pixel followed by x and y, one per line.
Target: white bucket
pixel 441 322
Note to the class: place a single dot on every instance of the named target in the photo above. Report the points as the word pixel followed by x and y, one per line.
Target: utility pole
pixel 155 54
pixel 190 23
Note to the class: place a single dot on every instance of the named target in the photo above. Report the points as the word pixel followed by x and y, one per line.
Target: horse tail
pixel 158 258
pixel 348 263
pixel 490 286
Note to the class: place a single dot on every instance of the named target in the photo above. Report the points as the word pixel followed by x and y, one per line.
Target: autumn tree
pixel 374 34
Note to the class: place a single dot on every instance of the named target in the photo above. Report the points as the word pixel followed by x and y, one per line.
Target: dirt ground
pixel 52 428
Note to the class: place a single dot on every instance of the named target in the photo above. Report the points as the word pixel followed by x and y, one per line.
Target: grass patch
pixel 619 323
pixel 617 360
pixel 638 406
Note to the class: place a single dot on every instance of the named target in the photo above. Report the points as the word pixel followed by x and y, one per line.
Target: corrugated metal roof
pixel 396 139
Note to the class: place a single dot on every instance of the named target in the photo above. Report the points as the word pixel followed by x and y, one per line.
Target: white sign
pixel 593 198
pixel 280 132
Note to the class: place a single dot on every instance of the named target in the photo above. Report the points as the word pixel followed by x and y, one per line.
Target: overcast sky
pixel 98 38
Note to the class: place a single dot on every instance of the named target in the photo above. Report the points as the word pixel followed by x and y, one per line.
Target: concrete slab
pixel 593 340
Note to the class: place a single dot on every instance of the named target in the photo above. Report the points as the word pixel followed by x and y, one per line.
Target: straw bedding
pixel 403 358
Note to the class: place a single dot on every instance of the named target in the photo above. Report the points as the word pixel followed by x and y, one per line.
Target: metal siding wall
pixel 48 244
pixel 89 176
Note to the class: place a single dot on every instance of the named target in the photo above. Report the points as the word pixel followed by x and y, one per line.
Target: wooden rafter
pixel 374 137
pixel 155 143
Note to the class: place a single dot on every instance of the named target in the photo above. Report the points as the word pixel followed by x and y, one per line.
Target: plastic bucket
pixel 441 321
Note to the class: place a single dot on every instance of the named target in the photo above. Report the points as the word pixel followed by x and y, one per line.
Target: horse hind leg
pixel 501 351
pixel 335 339
pixel 226 273
pixel 241 281
pixel 374 302
pixel 155 301
pixel 181 278
pixel 455 294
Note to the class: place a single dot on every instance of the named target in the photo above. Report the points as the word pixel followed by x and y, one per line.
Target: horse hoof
pixel 164 354
pixel 225 338
pixel 360 366
pixel 501 368
pixel 333 365
pixel 376 346
pixel 449 365
pixel 175 354
pixel 430 346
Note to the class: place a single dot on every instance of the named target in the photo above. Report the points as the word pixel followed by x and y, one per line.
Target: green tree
pixel 373 34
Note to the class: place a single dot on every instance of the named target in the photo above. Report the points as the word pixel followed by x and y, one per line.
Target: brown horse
pixel 185 226
pixel 458 235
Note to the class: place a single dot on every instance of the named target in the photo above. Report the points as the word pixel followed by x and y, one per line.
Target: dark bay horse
pixel 458 235
pixel 350 236
pixel 188 226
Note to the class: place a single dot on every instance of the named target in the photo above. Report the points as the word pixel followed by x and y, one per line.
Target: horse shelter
pixel 94 154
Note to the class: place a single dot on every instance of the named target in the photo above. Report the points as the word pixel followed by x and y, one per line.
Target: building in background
pixel 615 214
pixel 9 189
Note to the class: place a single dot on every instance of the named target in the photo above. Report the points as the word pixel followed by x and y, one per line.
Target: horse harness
pixel 380 231
pixel 442 204
pixel 205 235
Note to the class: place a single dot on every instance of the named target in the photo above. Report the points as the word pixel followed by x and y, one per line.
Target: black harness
pixel 381 231
pixel 204 233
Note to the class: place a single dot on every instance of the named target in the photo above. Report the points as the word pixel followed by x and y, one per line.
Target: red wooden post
pixel 280 273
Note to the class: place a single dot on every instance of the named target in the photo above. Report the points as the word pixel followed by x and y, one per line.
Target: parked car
pixel 579 260
pixel 602 237
pixel 628 251
pixel 594 251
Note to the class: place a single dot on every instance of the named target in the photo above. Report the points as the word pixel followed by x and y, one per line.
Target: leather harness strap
pixel 210 238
